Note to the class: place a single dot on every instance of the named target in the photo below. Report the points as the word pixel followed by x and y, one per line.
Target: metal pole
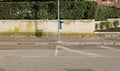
pixel 58 20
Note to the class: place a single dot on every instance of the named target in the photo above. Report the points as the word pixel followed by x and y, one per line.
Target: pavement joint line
pixel 39 56
pixel 34 56
pixel 110 48
pixel 76 51
pixel 58 56
pixel 63 56
pixel 49 56
pixel 25 56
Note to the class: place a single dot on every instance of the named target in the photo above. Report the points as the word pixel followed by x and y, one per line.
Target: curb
pixel 92 43
pixel 62 43
pixel 24 43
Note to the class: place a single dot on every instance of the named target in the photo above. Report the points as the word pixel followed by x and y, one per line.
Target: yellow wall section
pixel 68 22
pixel 16 30
pixel 29 25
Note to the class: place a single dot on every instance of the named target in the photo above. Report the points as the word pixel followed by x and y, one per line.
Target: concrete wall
pixel 46 26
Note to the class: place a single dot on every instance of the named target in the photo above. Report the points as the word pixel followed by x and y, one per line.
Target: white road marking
pixel 75 51
pixel 110 48
pixel 56 51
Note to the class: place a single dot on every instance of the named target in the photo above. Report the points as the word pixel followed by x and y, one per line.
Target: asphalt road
pixel 60 58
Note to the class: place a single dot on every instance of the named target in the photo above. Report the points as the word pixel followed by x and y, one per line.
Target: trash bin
pixel 61 24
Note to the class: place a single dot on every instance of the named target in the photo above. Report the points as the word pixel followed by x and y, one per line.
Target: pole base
pixel 59 41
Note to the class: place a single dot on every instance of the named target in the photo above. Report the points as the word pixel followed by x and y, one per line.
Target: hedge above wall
pixel 48 10
pixel 105 12
pixel 14 10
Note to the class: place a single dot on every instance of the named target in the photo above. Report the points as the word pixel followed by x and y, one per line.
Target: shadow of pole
pixel 38 32
pixel 79 70
pixel 1 69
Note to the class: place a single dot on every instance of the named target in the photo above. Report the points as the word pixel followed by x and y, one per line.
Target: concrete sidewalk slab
pixel 64 43
pixel 8 40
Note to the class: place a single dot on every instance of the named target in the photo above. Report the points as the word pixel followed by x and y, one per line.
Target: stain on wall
pixel 29 25
pixel 69 22
pixel 46 27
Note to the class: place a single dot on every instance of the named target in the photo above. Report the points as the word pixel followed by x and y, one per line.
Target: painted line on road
pixel 110 48
pixel 75 51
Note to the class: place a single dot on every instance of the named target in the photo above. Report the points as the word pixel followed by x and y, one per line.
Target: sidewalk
pixel 15 40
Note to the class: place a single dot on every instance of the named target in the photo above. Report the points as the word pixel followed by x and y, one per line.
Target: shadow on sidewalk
pixel 1 69
pixel 79 70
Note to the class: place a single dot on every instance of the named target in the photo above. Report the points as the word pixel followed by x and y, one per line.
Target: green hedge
pixel 21 10
pixel 109 30
pixel 105 12
pixel 78 10
pixel 108 27
pixel 48 10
